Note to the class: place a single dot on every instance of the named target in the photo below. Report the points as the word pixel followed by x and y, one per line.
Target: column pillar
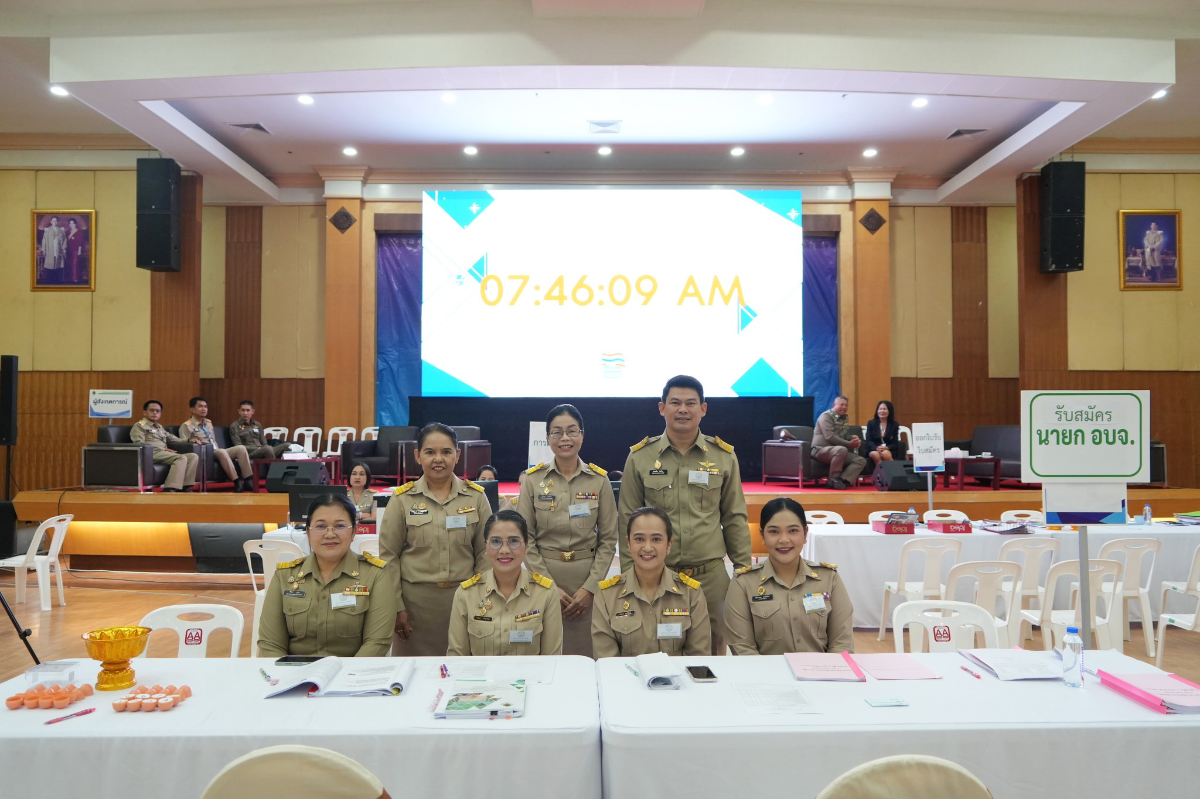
pixel 867 351
pixel 343 288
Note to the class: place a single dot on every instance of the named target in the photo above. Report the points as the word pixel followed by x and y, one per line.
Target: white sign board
pixel 539 448
pixel 1085 436
pixel 104 404
pixel 929 447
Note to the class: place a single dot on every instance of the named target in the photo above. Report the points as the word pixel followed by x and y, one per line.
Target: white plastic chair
pixel 1054 623
pixel 951 625
pixel 823 517
pixel 280 433
pixel 1184 621
pixel 1190 587
pixel 194 635
pixel 930 586
pixel 905 433
pixel 881 515
pixel 271 552
pixel 335 438
pixel 944 516
pixel 369 434
pixel 1032 549
pixel 990 577
pixel 317 772
pixel 1023 516
pixel 907 777
pixel 41 565
pixel 1137 552
pixel 309 438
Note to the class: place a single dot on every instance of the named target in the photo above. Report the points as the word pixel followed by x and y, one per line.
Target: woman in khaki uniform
pixel 361 493
pixel 787 604
pixel 332 602
pixel 506 610
pixel 650 608
pixel 432 539
pixel 572 516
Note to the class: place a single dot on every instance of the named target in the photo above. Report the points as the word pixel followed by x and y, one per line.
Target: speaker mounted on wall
pixel 8 400
pixel 1063 187
pixel 158 214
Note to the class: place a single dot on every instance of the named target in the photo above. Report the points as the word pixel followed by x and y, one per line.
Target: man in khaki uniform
pixel 248 433
pixel 199 430
pixel 149 431
pixel 483 622
pixel 299 616
pixel 626 622
pixel 763 616
pixel 432 547
pixel 696 479
pixel 835 445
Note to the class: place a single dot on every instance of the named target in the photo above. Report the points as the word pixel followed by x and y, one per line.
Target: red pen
pixel 73 715
pixel 973 674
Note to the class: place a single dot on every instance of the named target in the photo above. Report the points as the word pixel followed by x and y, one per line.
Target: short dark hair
pixel 333 501
pixel 436 427
pixel 842 396
pixel 891 411
pixel 683 381
pixel 365 468
pixel 192 402
pixel 649 511
pixel 778 504
pixel 559 410
pixel 487 467
pixel 146 405
pixel 507 516
pixel 246 402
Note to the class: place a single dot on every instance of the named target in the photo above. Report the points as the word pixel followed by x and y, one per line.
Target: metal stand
pixel 1085 594
pixel 22 633
pixel 929 485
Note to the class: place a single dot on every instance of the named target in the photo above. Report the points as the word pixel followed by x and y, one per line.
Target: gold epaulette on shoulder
pixel 723 445
pixel 640 444
pixel 611 581
pixel 542 580
pixel 533 469
pixel 829 565
pixel 373 559
pixel 287 564
pixel 745 569
pixel 478 488
pixel 598 470
pixel 405 487
pixel 470 581
pixel 688 581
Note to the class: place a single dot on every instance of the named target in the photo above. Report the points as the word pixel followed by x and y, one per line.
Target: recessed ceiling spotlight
pixel 605 151
pixel 1158 95
pixel 470 149
pixel 765 99
pixel 61 92
pixel 736 151
pixel 870 152
pixel 349 151
pixel 920 102
pixel 449 97
pixel 305 99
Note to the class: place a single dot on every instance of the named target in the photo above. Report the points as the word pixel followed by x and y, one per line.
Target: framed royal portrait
pixel 1151 250
pixel 64 251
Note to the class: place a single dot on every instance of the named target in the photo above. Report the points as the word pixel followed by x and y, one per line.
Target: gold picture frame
pixel 1151 250
pixel 63 250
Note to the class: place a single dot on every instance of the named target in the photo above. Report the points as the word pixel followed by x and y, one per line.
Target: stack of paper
pixel 828 666
pixel 1015 664
pixel 895 666
pixel 333 676
pixel 1165 693
pixel 658 672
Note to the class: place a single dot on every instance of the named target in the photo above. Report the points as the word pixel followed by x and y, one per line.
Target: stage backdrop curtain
pixel 822 375
pixel 398 325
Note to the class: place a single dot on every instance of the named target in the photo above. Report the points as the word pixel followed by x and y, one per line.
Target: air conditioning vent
pixel 604 126
pixel 250 126
pixel 967 133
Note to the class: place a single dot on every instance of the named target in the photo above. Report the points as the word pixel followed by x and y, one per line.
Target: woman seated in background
pixel 786 603
pixel 487 473
pixel 361 494
pixel 332 602
pixel 883 435
pixel 506 610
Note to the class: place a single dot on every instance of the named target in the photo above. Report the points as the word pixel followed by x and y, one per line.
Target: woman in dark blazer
pixel 883 435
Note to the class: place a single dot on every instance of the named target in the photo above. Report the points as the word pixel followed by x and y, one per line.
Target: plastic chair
pixel 1137 552
pixel 309 438
pixel 1184 621
pixel 271 552
pixel 280 433
pixel 823 517
pixel 1190 587
pixel 369 434
pixel 905 433
pixel 881 515
pixel 1023 516
pixel 990 577
pixel 194 635
pixel 930 586
pixel 287 769
pixel 907 777
pixel 944 516
pixel 951 625
pixel 42 565
pixel 1033 549
pixel 333 443
pixel 1053 623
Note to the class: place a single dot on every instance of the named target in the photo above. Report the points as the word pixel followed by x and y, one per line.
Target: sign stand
pixel 929 485
pixel 929 452
pixel 1085 591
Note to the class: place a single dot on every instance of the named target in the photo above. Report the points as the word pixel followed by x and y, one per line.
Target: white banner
pixel 929 447
pixel 539 448
pixel 104 404
pixel 1085 436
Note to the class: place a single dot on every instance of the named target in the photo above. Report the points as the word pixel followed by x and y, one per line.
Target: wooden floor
pixel 124 598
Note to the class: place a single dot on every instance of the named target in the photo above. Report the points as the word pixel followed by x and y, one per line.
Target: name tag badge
pixel 482 618
pixel 418 512
pixel 763 598
pixel 456 522
pixel 545 497
pixel 580 509
pixel 697 478
pixel 520 637
pixel 657 472
pixel 342 601
pixel 293 593
pixel 812 603
pixel 670 630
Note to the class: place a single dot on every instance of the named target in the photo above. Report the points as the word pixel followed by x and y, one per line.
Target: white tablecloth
pixel 866 559
pixel 554 751
pixel 370 543
pixel 1022 739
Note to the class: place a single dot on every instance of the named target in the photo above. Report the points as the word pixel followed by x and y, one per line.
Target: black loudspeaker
pixel 1062 191
pixel 299 473
pixel 158 214
pixel 8 400
pixel 8 530
pixel 896 476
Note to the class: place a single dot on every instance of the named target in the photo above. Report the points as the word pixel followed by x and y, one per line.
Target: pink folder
pixel 895 666
pixel 1145 689
pixel 824 666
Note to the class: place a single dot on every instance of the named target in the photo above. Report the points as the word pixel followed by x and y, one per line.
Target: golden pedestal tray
pixel 114 647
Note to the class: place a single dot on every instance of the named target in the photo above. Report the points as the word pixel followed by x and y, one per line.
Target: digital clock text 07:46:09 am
pixel 618 290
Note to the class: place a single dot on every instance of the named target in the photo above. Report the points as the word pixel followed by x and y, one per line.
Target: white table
pixel 554 751
pixel 369 543
pixel 1024 740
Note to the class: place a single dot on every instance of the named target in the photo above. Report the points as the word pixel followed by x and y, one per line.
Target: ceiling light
pixel 605 151
pixel 349 151
pixel 449 97
pixel 870 152
pixel 304 99
pixel 61 92
pixel 920 102
pixel 1158 95
pixel 765 99
pixel 736 151
pixel 470 149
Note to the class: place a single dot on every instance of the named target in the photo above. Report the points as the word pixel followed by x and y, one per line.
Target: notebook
pixel 333 676
pixel 658 672
pixel 826 666
pixel 1164 693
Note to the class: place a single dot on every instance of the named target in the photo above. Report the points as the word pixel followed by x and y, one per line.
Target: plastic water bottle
pixel 912 510
pixel 1147 516
pixel 1072 658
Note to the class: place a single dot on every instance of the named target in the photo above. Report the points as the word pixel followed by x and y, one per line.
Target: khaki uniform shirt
pixel 194 428
pixel 831 431
pixel 299 616
pixel 763 616
pixel 701 490
pixel 366 503
pixel 249 435
pixel 154 434
pixel 559 528
pixel 483 622
pixel 417 535
pixel 625 622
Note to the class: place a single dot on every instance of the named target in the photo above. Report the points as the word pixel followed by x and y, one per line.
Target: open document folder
pixel 1015 664
pixel 658 672
pixel 334 676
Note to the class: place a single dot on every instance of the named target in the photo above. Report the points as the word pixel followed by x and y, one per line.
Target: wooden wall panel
pixel 292 306
pixel 287 402
pixel 121 302
pixel 968 268
pixel 243 290
pixel 1150 317
pixel 212 293
pixel 904 292
pixel 175 296
pixel 935 315
pixel 1095 313
pixel 1187 198
pixel 1041 299
pixel 1004 359
pixel 872 311
pixel 343 338
pixel 62 320
pixel 18 194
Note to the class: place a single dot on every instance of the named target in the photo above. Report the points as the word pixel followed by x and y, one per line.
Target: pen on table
pixel 73 715
pixel 445 671
pixel 632 671
pixel 267 677
pixel 968 671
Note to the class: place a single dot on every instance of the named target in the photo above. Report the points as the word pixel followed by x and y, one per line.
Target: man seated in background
pixel 148 431
pixel 833 444
pixel 248 433
pixel 199 430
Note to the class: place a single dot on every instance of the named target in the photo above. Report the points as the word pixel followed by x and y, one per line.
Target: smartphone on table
pixel 297 660
pixel 702 674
